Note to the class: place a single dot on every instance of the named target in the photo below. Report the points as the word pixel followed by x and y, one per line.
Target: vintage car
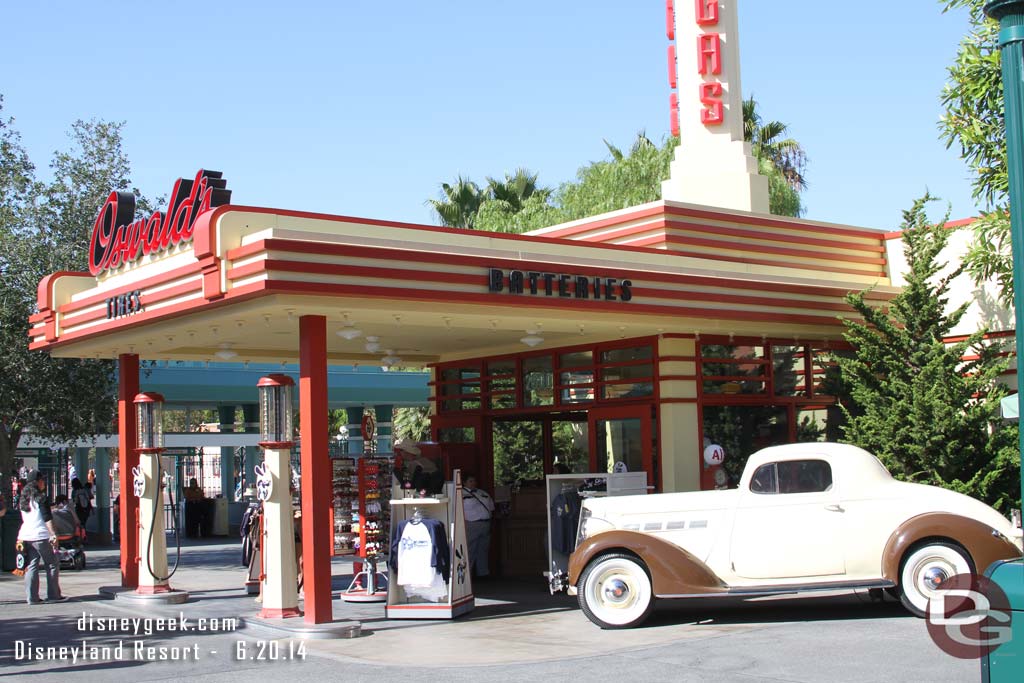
pixel 811 516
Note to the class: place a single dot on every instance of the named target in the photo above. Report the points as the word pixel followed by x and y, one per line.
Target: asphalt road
pixel 517 632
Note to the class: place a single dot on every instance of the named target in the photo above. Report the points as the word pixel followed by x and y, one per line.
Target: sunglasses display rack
pixel 344 511
pixel 371 522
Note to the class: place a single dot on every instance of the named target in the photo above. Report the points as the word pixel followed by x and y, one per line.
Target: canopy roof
pixel 427 293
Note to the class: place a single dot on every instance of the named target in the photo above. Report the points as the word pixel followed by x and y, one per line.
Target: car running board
pixel 784 590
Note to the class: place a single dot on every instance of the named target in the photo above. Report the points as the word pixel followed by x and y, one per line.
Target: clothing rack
pixel 446 509
pixel 564 495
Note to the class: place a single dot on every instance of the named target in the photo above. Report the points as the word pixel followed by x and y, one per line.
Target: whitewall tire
pixel 927 566
pixel 615 591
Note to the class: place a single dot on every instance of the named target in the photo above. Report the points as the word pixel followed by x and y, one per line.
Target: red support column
pixel 316 469
pixel 128 457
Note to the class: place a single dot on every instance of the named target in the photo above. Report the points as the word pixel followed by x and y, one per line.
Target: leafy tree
pixel 412 423
pixel 459 203
pixel 767 142
pixel 973 120
pixel 45 228
pixel 929 415
pixel 516 204
pixel 514 191
pixel 780 159
pixel 626 178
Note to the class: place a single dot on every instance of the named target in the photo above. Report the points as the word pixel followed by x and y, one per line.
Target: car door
pixel 789 523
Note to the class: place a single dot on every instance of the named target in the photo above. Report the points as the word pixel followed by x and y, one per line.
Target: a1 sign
pixel 714 455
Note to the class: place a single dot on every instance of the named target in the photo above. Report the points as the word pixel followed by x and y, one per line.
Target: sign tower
pixel 713 166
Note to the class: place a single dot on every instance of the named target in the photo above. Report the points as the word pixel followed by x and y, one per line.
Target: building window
pixel 538 381
pixel 459 388
pixel 734 369
pixel 502 384
pixel 627 372
pixel 576 377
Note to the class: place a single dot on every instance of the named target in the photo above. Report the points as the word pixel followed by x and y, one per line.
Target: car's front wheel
pixel 925 568
pixel 615 591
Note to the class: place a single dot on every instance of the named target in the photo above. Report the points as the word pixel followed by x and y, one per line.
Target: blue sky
pixel 364 108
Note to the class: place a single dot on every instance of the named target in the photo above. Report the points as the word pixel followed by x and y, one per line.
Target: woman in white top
pixel 37 539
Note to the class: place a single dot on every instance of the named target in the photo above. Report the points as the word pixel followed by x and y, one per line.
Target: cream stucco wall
pixel 677 421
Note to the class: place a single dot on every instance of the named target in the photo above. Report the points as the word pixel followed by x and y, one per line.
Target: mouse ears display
pixel 264 482
pixel 138 481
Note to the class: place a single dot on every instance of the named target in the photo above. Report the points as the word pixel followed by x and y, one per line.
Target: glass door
pixel 621 440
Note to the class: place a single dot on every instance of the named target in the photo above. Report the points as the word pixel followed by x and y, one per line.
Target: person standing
pixel 479 507
pixel 37 539
pixel 81 495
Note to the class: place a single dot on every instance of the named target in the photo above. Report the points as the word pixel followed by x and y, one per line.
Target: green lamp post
pixel 1007 661
pixel 1010 14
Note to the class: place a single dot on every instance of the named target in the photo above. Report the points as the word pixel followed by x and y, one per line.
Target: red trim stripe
pixel 989 335
pixel 148 300
pixel 328 289
pixel 145 283
pixel 674 240
pixel 391 254
pixel 664 225
pixel 741 219
pixel 402 274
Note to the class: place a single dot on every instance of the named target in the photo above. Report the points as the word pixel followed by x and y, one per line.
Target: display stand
pixel 446 508
pixel 373 486
pixel 565 494
pixel 345 507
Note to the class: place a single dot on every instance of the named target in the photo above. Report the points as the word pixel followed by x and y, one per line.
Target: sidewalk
pixel 518 630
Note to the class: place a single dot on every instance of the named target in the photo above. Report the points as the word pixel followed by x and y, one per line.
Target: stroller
pixel 69 539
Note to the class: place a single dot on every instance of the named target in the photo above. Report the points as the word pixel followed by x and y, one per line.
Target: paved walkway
pixel 517 631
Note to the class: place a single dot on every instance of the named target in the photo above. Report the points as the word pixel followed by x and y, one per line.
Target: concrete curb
pixel 121 594
pixel 296 628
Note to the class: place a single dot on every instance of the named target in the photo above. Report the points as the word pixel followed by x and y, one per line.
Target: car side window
pixel 804 476
pixel 765 480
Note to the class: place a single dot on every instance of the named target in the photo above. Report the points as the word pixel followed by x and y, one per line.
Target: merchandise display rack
pixel 583 485
pixel 371 521
pixel 344 509
pixel 448 509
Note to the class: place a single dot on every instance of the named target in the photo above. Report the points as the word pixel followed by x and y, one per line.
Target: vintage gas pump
pixel 273 479
pixel 148 485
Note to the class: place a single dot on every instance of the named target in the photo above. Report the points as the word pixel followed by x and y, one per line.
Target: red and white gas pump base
pixel 273 487
pixel 148 486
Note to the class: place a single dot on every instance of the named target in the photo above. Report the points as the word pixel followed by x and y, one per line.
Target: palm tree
pixel 641 143
pixel 459 204
pixel 516 189
pixel 767 143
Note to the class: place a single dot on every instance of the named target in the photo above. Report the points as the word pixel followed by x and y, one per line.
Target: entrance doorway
pixel 525 450
pixel 623 440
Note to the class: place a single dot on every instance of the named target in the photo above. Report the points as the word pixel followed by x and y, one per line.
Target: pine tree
pixel 928 414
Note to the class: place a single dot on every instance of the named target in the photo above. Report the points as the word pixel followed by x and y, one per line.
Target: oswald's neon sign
pixel 118 239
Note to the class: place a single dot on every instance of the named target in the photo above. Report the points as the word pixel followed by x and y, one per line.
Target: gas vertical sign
pixel 709 63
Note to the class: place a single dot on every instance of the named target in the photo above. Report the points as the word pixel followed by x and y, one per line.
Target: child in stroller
pixel 69 535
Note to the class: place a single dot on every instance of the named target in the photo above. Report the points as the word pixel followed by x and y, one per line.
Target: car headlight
pixel 590 525
pixel 581 533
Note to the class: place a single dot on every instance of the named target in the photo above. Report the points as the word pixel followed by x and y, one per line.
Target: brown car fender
pixel 976 537
pixel 673 570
